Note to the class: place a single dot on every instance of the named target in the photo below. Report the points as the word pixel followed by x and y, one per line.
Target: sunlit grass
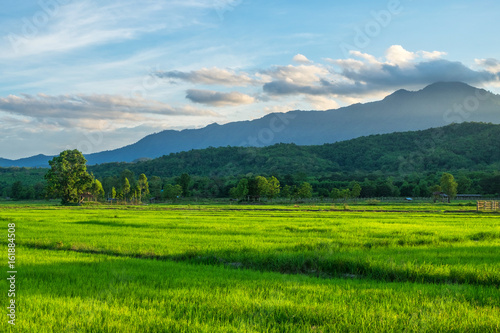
pixel 67 291
pixel 256 268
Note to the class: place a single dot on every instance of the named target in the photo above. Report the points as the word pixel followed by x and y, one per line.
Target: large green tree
pixel 67 177
pixel 449 185
pixel 262 186
pixel 125 188
pixel 273 187
pixel 143 185
pixel 96 189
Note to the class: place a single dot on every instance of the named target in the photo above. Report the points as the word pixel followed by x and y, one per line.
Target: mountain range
pixel 436 105
pixel 453 148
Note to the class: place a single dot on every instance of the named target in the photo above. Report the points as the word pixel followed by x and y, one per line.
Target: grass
pixel 256 268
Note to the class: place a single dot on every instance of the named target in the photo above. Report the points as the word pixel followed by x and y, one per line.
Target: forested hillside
pixel 470 146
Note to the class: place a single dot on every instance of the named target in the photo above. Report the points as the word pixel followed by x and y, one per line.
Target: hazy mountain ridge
pixel 436 105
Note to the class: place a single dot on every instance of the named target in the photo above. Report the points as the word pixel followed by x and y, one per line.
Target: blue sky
pixel 98 75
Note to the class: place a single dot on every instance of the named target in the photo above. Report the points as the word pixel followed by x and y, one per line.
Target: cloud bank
pixel 84 110
pixel 362 75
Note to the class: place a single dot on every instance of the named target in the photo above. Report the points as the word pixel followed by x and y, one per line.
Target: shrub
pixel 372 202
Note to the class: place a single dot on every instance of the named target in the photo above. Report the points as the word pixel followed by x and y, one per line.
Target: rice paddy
pixel 269 268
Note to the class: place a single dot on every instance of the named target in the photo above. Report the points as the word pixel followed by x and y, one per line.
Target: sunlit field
pixel 414 267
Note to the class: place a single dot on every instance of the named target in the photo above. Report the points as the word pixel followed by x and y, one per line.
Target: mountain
pixel 401 111
pixel 36 161
pixel 465 146
pixel 436 105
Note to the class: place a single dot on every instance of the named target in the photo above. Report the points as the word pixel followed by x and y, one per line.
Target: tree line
pixel 69 180
pixel 126 186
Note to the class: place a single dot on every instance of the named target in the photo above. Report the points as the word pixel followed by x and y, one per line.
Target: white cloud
pixel 301 74
pixel 397 55
pixel 364 75
pixel 365 56
pixel 210 76
pixel 431 55
pixel 322 102
pixel 492 65
pixel 301 59
pixel 215 98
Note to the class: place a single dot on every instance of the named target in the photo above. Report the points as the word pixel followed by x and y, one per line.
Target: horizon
pixel 120 71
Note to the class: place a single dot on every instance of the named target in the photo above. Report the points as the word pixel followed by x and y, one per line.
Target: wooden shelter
pixel 441 196
pixel 488 206
pixel 86 196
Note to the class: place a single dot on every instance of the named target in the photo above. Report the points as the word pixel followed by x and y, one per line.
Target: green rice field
pixel 401 267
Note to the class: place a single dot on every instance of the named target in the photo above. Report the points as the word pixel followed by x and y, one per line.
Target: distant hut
pixel 468 196
pixel 441 196
pixel 86 196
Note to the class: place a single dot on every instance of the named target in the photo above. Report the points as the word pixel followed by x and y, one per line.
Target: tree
pixel 435 188
pixel 125 188
pixel 39 190
pixel 345 194
pixel 96 189
pixel 407 189
pixel 136 193
pixel 155 187
pixel 369 188
pixel 233 193
pixel 253 188
pixel 67 177
pixel 305 191
pixel 273 187
pixel 172 192
pixel 29 193
pixel 449 185
pixel 16 190
pixel 184 181
pixel 288 191
pixel 113 193
pixel 241 190
pixel 143 185
pixel 464 184
pixel 323 193
pixel 262 186
pixel 336 194
pixel 356 190
pixel 129 175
